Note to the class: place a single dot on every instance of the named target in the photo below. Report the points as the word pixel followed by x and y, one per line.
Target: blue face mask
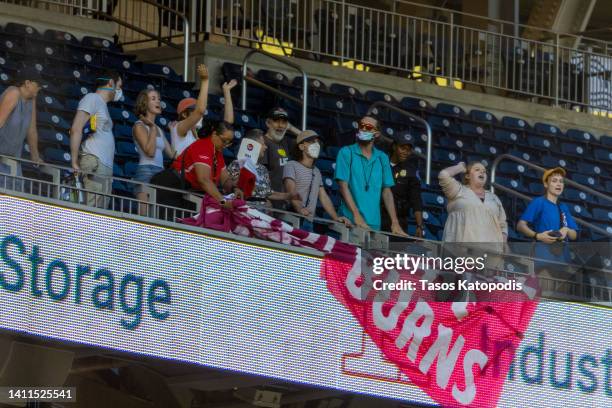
pixel 365 136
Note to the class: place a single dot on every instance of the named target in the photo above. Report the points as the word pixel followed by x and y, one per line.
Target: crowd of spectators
pixel 369 179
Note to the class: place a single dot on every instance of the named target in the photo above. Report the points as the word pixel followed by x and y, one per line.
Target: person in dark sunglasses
pixel 364 175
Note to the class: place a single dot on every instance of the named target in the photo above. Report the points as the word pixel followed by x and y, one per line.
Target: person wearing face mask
pixel 302 177
pixel 18 117
pixel 277 152
pixel 364 175
pixel 407 188
pixel 190 115
pixel 96 155
pixel 474 213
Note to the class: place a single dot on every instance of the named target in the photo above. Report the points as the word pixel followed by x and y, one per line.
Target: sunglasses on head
pixel 367 127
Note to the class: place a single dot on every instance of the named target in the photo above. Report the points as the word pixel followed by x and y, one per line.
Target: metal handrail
pixel 158 36
pixel 245 78
pixel 417 119
pixel 542 170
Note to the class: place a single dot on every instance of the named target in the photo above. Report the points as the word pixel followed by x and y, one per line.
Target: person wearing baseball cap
pixel 407 188
pixel 277 153
pixel 303 178
pixel 546 219
pixel 190 112
pixel 18 115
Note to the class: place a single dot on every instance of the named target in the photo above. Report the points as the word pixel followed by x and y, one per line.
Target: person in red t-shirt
pixel 204 165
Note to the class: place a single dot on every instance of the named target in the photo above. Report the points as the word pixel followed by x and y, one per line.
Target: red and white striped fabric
pixel 443 347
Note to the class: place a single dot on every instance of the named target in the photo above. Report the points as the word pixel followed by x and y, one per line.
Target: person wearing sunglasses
pixel 364 175
pixel 204 166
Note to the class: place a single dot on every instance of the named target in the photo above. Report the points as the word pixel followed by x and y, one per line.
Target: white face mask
pixel 314 150
pixel 118 95
pixel 199 125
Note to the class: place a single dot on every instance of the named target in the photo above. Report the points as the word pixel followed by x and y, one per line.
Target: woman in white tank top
pixel 150 141
pixel 191 112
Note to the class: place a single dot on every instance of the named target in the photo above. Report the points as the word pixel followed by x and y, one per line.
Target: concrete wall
pixel 42 20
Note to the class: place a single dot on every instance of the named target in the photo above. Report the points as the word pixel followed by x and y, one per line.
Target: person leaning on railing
pixel 204 167
pixel 150 141
pixel 97 154
pixel 303 178
pixel 364 175
pixel 551 222
pixel 18 115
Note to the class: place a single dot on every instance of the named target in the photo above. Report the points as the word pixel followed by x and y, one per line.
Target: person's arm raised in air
pixel 449 185
pixel 190 121
pixel 76 136
pixel 33 136
pixel 146 138
pixel 228 114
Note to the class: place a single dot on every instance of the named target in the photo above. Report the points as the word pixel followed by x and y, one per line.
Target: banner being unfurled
pixel 438 345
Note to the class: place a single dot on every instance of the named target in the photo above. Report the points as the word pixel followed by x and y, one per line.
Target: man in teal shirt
pixel 364 175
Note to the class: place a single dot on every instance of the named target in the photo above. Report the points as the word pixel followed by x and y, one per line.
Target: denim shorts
pixel 143 174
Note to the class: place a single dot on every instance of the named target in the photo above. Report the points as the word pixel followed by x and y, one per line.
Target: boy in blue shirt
pixel 551 222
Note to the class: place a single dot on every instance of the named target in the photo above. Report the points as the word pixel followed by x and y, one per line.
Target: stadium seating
pixel 458 135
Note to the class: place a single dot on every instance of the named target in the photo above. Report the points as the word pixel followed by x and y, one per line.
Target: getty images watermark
pixel 412 264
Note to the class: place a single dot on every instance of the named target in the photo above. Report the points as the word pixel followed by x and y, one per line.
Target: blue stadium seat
pixel 345 91
pixel 536 188
pixel 314 85
pixel 551 161
pixel 334 103
pixel 100 43
pixel 75 91
pixel 327 167
pixel 51 136
pixel 85 57
pixel 471 129
pixel 433 200
pixel 540 142
pixel 438 123
pixel 514 123
pixel 21 30
pixel 579 135
pixel 580 211
pixel 127 150
pixel 606 140
pixel 57 156
pixel 573 149
pixel 445 156
pixel 118 114
pixel 448 109
pixel 512 168
pixel 331 184
pixel 603 154
pixel 376 96
pixel 547 129
pixel 603 215
pixel 415 104
pixel 62 37
pixel 332 152
pixel 482 116
pixel 486 150
pixel 584 179
pixel 454 143
pixel 163 122
pixel 242 119
pixel 506 136
pixel 162 71
pixel 522 154
pixel 590 168
pixel 431 220
pixel 346 125
pixel 50 103
pixel 52 119
pixel 266 75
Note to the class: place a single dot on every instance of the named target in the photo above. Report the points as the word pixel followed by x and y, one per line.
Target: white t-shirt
pixel 180 143
pixel 158 158
pixel 101 143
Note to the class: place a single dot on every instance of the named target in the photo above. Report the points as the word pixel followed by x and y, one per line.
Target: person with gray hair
pixel 263 188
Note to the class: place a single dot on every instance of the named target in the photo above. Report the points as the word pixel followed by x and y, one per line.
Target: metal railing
pixel 567 181
pixel 71 7
pixel 246 78
pixel 372 110
pixel 55 191
pixel 442 48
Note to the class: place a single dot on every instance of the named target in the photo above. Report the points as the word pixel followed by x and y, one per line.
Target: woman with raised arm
pixel 474 213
